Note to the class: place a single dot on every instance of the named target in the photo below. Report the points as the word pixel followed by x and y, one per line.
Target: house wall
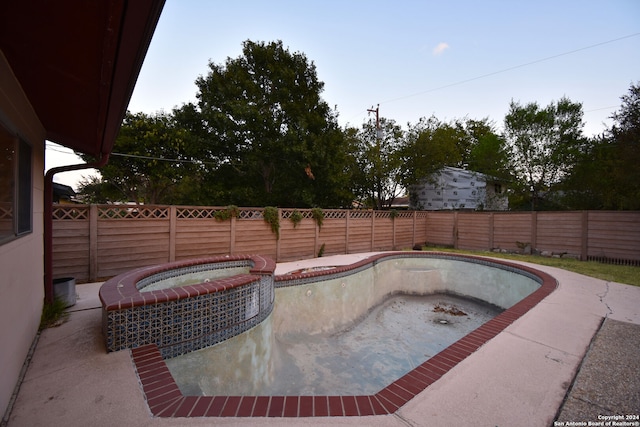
pixel 454 188
pixel 21 259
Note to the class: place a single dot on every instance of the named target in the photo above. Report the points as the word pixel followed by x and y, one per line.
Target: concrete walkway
pixel 520 377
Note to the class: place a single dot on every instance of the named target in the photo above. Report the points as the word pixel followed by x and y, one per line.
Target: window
pixel 15 186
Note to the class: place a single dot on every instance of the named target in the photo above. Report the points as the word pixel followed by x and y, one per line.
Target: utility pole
pixel 378 160
pixel 377 111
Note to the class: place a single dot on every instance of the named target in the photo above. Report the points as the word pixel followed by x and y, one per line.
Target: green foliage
pixel 544 144
pixel 296 217
pixel 318 216
pixel 231 211
pixel 150 163
pixel 393 214
pixel 376 164
pixel 265 132
pixel 321 250
pixel 53 314
pixel 607 175
pixel 260 134
pixel 271 216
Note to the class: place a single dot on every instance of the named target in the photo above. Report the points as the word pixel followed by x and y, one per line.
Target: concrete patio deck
pixel 520 377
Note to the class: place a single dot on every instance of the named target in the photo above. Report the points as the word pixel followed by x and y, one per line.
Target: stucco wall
pixel 21 260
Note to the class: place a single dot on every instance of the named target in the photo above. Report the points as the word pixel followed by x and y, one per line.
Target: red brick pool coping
pixel 165 399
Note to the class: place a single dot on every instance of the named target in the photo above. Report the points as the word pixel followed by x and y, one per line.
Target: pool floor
pixel 394 338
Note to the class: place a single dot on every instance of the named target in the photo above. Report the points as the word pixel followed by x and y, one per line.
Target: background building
pixel 454 188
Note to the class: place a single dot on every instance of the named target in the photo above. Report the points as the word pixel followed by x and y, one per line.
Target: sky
pixel 412 58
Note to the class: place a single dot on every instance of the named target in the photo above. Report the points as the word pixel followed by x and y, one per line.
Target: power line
pixel 548 58
pixel 602 108
pixel 164 159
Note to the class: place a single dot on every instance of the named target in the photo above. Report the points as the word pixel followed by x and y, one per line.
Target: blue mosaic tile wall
pixel 189 324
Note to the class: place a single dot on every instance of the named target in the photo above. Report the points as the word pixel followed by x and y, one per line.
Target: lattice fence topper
pixel 197 213
pixel 73 213
pixel 404 214
pixel 287 213
pixel 335 214
pixel 361 214
pixel 133 212
pixel 251 213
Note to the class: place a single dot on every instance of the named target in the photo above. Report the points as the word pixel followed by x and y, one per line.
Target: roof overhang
pixel 78 61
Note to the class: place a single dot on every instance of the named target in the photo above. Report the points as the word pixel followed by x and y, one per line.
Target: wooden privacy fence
pixel 94 242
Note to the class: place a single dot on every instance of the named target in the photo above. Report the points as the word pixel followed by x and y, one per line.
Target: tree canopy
pixel 271 138
pixel 607 175
pixel 544 144
pixel 377 163
pixel 150 164
pixel 261 134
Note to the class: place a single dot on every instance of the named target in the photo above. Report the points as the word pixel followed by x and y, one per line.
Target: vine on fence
pixel 231 211
pixel 318 216
pixel 296 217
pixel 272 217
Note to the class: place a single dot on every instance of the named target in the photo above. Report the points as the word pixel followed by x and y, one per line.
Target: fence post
pixel 172 233
pixel 491 232
pixel 584 252
pixel 373 229
pixel 455 229
pixel 93 243
pixel 346 232
pixel 413 230
pixel 534 230
pixel 316 239
pixel 277 238
pixel 232 235
pixel 393 233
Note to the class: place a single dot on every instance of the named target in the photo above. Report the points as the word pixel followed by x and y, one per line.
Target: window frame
pixel 22 186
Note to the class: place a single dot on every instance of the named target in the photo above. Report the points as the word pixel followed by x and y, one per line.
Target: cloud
pixel 439 50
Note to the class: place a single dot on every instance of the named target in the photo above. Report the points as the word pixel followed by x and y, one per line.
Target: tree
pixel 624 139
pixel 377 163
pixel 607 175
pixel 269 137
pixel 148 165
pixel 429 146
pixel 544 145
pixel 488 153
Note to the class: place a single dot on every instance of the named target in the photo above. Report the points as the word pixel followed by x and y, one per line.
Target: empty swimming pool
pixel 391 340
pixel 423 294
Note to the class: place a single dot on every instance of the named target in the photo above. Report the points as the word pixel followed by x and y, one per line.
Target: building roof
pixel 78 62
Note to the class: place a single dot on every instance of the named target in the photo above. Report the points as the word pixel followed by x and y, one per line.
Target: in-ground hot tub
pixel 195 317
pixel 186 305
